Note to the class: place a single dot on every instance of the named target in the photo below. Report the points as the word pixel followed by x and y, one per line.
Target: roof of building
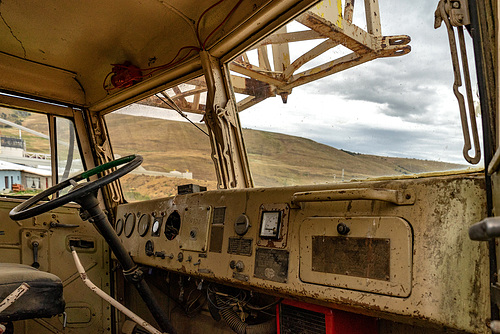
pixel 4 165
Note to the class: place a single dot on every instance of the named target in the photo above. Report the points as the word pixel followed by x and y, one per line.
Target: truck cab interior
pixel 111 221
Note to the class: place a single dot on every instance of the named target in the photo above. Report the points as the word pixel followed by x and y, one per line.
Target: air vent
pixel 298 320
pixel 297 317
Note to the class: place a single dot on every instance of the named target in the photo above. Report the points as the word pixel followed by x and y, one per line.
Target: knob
pixel 149 248
pixel 160 254
pixel 343 229
pixel 240 266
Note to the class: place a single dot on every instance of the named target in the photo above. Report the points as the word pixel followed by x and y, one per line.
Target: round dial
pixel 119 226
pixel 129 225
pixel 172 225
pixel 143 224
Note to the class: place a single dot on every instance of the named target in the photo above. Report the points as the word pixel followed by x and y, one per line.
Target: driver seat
pixel 44 298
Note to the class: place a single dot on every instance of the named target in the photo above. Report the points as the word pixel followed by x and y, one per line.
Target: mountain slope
pixel 275 159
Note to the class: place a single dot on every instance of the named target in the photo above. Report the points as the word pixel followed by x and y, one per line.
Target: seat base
pixel 44 298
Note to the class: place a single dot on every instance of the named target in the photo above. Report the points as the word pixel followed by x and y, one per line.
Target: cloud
pixel 401 106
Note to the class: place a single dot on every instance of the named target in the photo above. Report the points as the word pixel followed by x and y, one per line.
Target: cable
pixel 199 20
pixel 221 24
pixel 150 71
pixel 179 111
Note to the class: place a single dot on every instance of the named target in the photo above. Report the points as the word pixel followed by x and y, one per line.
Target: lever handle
pixel 398 197
pixel 486 229
pixel 35 245
pixel 54 224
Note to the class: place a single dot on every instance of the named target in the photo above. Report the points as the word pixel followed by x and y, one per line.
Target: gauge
pixel 129 225
pixel 143 224
pixel 271 222
pixel 172 225
pixel 155 229
pixel 119 226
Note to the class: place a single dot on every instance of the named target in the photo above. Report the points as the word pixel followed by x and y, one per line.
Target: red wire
pixel 152 70
pixel 199 20
pixel 221 24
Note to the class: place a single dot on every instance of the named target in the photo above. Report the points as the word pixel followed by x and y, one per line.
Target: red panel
pixel 336 321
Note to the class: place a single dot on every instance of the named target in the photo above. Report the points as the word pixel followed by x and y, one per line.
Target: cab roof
pixel 65 51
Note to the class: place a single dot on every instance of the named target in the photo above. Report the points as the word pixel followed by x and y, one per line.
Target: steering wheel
pixel 28 210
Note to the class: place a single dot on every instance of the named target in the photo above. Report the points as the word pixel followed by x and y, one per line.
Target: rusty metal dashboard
pixel 378 246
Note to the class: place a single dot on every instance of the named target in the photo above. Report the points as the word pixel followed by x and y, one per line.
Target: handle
pixel 35 245
pixel 398 197
pixel 486 229
pixel 54 224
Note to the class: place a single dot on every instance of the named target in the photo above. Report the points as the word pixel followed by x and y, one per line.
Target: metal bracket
pixel 133 275
pixel 456 13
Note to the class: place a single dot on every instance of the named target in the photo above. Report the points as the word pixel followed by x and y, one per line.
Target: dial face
pixel 129 225
pixel 155 230
pixel 119 226
pixel 143 224
pixel 271 221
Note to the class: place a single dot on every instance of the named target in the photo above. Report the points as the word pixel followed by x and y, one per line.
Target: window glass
pixel 176 151
pixel 24 152
pixel 390 116
pixel 69 162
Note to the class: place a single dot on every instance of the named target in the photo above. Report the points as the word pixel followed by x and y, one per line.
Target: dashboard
pixel 375 246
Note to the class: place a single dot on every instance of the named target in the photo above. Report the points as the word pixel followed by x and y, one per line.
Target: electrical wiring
pixel 149 71
pixel 127 70
pixel 262 308
pixel 221 24
pixel 201 16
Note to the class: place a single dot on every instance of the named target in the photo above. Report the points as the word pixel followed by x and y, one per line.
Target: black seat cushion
pixel 44 298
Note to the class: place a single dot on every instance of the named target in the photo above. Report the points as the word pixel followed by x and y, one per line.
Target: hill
pixel 275 159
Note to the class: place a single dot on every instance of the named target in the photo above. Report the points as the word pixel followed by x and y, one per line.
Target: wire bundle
pixel 137 74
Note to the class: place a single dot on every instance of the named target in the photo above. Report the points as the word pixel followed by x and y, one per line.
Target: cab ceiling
pixel 64 50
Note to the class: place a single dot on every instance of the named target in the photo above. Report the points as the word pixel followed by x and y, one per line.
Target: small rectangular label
pixel 240 246
pixel 360 257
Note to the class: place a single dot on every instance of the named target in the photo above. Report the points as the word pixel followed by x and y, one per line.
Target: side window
pixel 175 148
pixel 25 152
pixel 69 161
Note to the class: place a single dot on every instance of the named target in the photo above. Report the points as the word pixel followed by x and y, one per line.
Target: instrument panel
pixel 367 245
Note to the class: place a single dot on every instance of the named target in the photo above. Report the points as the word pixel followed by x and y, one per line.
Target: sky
pixel 400 106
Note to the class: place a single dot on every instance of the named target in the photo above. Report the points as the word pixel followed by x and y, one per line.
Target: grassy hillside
pixel 275 159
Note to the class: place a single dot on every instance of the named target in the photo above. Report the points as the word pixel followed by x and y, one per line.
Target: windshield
pixel 384 117
pixel 314 110
pixel 175 148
